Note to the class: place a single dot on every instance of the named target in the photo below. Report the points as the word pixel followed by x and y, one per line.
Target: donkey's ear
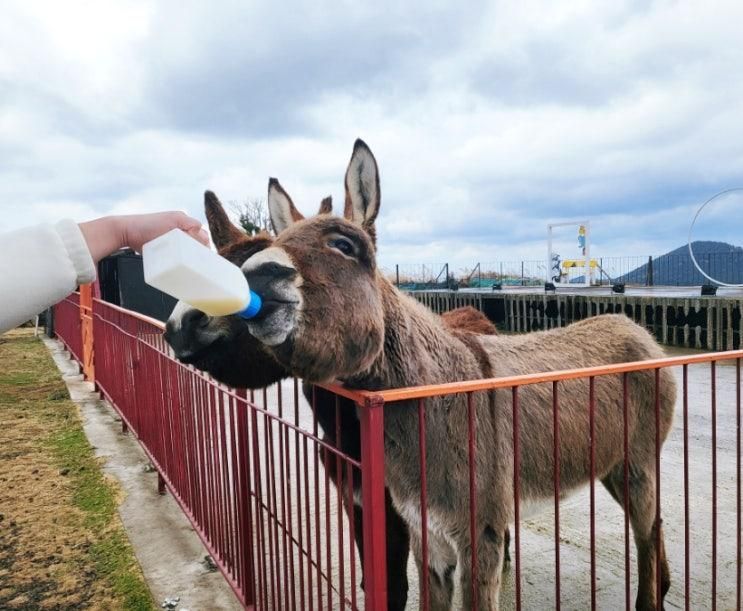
pixel 362 188
pixel 326 206
pixel 222 230
pixel 281 207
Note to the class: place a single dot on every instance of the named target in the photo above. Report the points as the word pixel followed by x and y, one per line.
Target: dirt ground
pixel 538 580
pixel 62 545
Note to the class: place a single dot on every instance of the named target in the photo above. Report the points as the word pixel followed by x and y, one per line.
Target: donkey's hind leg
pixel 442 564
pixel 645 529
pixel 490 552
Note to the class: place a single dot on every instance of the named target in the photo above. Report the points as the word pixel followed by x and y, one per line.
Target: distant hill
pixel 718 259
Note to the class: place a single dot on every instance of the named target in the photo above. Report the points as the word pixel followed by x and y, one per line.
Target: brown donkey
pixel 331 315
pixel 224 348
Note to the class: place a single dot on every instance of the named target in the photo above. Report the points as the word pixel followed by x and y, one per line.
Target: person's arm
pixel 41 265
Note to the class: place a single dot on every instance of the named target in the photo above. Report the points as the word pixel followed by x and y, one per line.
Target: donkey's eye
pixel 343 245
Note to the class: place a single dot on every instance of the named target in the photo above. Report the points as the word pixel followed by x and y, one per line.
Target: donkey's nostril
pixel 194 319
pixel 188 333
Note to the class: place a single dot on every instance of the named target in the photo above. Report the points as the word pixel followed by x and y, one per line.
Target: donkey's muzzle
pixel 189 335
pixel 272 281
pixel 276 283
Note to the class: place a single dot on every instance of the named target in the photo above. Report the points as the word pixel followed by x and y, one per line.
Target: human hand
pixel 108 234
pixel 139 229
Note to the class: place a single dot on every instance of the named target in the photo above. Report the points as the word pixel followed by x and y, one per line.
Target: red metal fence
pixel 68 325
pixel 260 484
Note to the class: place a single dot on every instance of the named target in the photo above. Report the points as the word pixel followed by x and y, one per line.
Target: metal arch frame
pixel 691 230
pixel 588 273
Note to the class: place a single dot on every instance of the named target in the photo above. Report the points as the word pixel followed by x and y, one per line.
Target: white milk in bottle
pixel 180 266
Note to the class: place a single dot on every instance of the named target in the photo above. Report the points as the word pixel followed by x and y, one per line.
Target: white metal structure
pixel 587 269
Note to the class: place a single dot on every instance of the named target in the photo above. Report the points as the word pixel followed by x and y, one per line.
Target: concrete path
pixel 168 549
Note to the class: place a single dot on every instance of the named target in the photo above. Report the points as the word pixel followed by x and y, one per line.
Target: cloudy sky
pixel 487 122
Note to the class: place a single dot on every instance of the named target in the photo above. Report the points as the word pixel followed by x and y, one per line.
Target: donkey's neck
pixel 418 348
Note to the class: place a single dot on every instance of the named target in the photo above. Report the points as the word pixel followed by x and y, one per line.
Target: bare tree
pixel 252 215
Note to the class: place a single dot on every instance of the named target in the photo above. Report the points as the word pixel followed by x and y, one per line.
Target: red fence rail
pixel 68 325
pixel 246 468
pixel 253 473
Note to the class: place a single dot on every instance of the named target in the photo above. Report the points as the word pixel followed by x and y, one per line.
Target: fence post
pixel 446 266
pixel 397 275
pixel 86 328
pixel 371 415
pixel 522 273
pixel 649 279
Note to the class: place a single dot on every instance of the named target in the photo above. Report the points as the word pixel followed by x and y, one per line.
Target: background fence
pixel 260 482
pixel 674 269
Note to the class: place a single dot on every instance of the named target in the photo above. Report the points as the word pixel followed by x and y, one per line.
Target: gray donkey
pixel 330 314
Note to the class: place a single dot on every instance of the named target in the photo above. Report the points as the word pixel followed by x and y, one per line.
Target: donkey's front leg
pixel 490 551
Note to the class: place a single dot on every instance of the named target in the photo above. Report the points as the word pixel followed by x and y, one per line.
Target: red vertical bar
pixel 298 470
pixel 232 483
pixel 425 593
pixel 713 406
pixel 658 539
pixel 260 527
pixel 273 543
pixel 208 470
pixel 687 576
pixel 328 552
pixel 352 534
pixel 371 415
pixel 209 462
pixel 556 477
pixel 286 500
pixel 308 523
pixel 165 425
pixel 625 495
pixel 284 527
pixel 256 523
pixel 592 459
pixel 473 505
pixel 214 443
pixel 315 455
pixel 516 491
pixel 252 568
pixel 204 491
pixel 276 515
pixel 242 492
pixel 180 458
pixel 738 486
pixel 237 492
pixel 239 534
pixel 339 496
pixel 191 444
pixel 228 526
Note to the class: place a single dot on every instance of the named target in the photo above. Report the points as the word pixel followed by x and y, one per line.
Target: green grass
pixel 91 492
pixel 31 386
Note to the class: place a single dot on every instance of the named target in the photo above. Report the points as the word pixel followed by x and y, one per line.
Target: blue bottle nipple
pixel 253 307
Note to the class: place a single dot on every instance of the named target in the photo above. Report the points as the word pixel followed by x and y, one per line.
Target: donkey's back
pixel 602 340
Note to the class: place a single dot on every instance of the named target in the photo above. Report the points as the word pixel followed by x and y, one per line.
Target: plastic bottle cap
pixel 253 307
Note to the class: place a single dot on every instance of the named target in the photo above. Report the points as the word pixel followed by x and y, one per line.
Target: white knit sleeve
pixel 40 265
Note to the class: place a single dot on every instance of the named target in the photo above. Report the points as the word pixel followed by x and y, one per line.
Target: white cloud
pixel 487 123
